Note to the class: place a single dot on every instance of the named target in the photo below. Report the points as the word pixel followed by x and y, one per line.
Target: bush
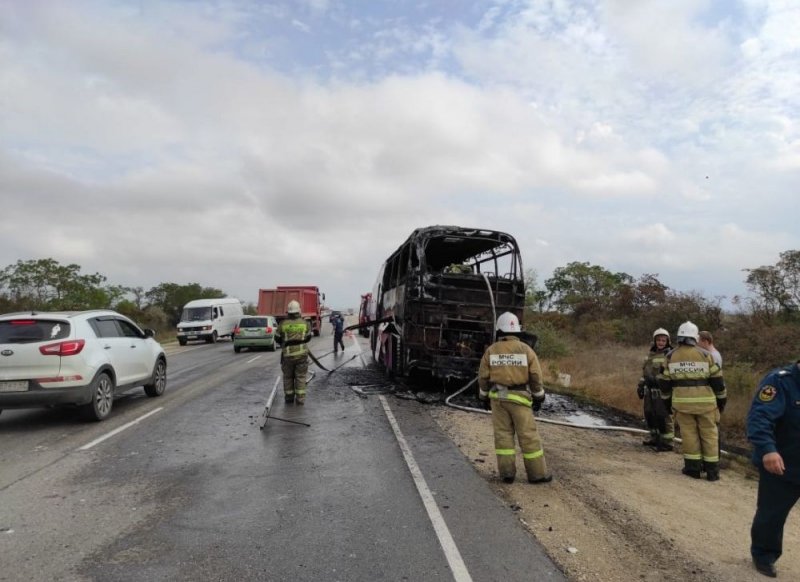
pixel 551 343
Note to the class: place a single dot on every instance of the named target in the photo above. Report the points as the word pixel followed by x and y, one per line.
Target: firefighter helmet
pixel 661 331
pixel 688 330
pixel 508 323
pixel 293 307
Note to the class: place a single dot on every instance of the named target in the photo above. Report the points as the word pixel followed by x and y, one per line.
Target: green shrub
pixel 551 343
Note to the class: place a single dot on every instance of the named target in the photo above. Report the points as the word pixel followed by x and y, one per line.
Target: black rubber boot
pixel 712 471
pixel 692 468
pixel 663 447
pixel 508 479
pixel 288 399
pixel 539 480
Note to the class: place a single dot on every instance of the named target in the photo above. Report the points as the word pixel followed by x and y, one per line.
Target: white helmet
pixel 661 331
pixel 293 307
pixel 688 330
pixel 508 323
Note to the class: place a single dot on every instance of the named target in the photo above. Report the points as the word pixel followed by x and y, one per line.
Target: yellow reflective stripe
pixel 668 435
pixel 689 457
pixel 519 399
pixel 504 452
pixel 295 328
pixel 695 399
pixel 711 459
pixel 300 392
pixel 511 398
pixel 534 455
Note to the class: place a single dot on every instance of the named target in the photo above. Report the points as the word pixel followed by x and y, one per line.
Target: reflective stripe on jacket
pixel 294 330
pixel 510 371
pixel 692 379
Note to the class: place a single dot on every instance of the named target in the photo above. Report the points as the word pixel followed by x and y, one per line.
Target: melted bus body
pixel 437 298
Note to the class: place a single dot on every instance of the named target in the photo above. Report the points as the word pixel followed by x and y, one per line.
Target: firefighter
pixel 692 386
pixel 293 334
pixel 510 380
pixel 773 427
pixel 656 415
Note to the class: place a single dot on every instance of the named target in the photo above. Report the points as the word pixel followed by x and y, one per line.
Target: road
pixel 186 487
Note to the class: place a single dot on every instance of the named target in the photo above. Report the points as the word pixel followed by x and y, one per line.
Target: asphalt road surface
pixel 186 486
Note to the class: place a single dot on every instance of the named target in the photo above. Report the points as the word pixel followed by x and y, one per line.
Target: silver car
pixel 82 358
pixel 255 331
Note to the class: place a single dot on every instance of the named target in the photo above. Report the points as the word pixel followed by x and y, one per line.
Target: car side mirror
pixel 149 333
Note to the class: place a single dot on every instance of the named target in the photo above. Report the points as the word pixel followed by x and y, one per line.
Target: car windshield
pixel 20 331
pixel 196 314
pixel 253 322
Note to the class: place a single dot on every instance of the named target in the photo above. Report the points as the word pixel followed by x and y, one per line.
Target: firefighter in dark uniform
pixel 773 427
pixel 692 385
pixel 293 334
pixel 510 379
pixel 656 415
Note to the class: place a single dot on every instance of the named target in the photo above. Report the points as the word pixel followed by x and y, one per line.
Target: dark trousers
pixel 337 341
pixel 776 497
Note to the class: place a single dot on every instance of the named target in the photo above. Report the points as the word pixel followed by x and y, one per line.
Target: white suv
pixel 76 357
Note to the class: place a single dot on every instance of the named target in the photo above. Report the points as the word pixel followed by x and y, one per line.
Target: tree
pixel 579 288
pixel 535 298
pixel 45 284
pixel 171 297
pixel 777 286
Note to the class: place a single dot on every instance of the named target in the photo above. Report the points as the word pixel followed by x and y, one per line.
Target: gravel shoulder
pixel 617 511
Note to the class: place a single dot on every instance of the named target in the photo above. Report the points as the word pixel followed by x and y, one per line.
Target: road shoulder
pixel 617 511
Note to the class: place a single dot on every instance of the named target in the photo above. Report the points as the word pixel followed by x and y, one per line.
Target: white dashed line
pixel 118 430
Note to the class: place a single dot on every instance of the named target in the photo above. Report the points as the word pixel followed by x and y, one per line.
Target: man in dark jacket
pixel 773 427
pixel 338 333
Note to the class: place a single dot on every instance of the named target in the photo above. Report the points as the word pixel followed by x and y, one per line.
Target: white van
pixel 209 319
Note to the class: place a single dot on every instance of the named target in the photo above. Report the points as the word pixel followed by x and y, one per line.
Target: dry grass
pixel 605 374
pixel 608 374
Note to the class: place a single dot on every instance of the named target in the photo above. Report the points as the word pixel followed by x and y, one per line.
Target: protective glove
pixel 640 391
pixel 487 404
pixel 721 402
pixel 537 404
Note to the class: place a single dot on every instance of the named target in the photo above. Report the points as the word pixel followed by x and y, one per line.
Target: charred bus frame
pixel 437 298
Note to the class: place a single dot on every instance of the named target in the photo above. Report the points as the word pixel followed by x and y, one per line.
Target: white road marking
pixel 456 563
pixel 252 359
pixel 108 435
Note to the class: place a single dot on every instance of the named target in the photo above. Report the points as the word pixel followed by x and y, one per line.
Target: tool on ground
pixel 265 414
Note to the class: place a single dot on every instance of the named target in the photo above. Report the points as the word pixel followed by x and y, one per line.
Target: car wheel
pixel 102 397
pixel 237 349
pixel 213 338
pixel 272 347
pixel 158 382
pixel 182 341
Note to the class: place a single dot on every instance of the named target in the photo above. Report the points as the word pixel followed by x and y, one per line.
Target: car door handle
pixel 107 348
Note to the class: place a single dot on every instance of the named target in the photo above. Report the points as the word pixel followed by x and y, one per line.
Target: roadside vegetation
pixel 596 326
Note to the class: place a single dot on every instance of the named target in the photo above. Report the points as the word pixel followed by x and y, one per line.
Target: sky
pixel 247 144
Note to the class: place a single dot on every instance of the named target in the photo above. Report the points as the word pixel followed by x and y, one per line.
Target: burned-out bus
pixel 437 298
